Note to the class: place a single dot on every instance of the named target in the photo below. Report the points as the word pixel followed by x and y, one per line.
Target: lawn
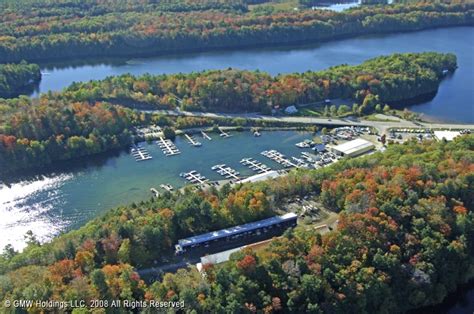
pixel 282 5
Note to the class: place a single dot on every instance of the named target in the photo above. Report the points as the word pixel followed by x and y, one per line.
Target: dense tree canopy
pixel 18 78
pixel 38 132
pixel 78 29
pixel 405 238
pixel 390 78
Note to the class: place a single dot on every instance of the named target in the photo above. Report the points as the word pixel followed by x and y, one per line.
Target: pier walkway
pixel 166 187
pixel 194 177
pixel 226 171
pixel 192 141
pixel 207 137
pixel 279 158
pixel 139 153
pixel 255 165
pixel 224 134
pixel 168 147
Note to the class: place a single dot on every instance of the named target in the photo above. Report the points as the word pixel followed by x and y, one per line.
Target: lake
pixel 78 191
pixel 453 103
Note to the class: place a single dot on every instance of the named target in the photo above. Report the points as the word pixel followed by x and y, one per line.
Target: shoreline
pixel 238 47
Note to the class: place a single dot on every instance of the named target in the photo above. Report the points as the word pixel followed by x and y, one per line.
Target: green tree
pixel 169 133
pixel 124 251
pixel 326 112
pixel 99 282
pixel 355 109
pixel 343 109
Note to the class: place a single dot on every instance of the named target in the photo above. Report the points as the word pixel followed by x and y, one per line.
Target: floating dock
pixel 226 171
pixel 192 141
pixel 207 137
pixel 139 153
pixel 194 177
pixel 300 163
pixel 255 165
pixel 279 158
pixel 166 187
pixel 168 147
pixel 224 134
pixel 310 157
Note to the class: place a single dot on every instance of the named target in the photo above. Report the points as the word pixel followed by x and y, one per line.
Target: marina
pixel 207 137
pixel 278 158
pixel 168 147
pixel 226 171
pixel 255 165
pixel 194 177
pixel 54 202
pixel 139 153
pixel 192 141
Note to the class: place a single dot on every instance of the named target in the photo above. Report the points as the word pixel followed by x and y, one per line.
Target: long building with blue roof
pixel 285 221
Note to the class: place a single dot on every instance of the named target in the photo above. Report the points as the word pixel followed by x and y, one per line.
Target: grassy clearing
pixel 282 5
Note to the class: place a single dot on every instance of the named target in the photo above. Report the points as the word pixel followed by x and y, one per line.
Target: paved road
pixel 381 126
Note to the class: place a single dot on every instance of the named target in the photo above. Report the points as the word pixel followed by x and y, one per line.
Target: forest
pixel 70 29
pixel 35 133
pixel 385 79
pixel 405 238
pixel 18 78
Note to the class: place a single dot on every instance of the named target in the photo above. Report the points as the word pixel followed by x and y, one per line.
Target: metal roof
pixel 235 230
pixel 261 176
pixel 353 146
pixel 448 135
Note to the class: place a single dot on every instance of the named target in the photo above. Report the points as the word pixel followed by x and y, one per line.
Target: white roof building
pixel 353 148
pixel 217 258
pixel 261 177
pixel 448 135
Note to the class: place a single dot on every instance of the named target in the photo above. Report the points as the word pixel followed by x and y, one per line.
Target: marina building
pixel 277 223
pixel 353 148
pixel 261 176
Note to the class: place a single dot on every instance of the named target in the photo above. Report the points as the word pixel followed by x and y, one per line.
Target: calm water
pixel 338 7
pixel 454 101
pixel 70 197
